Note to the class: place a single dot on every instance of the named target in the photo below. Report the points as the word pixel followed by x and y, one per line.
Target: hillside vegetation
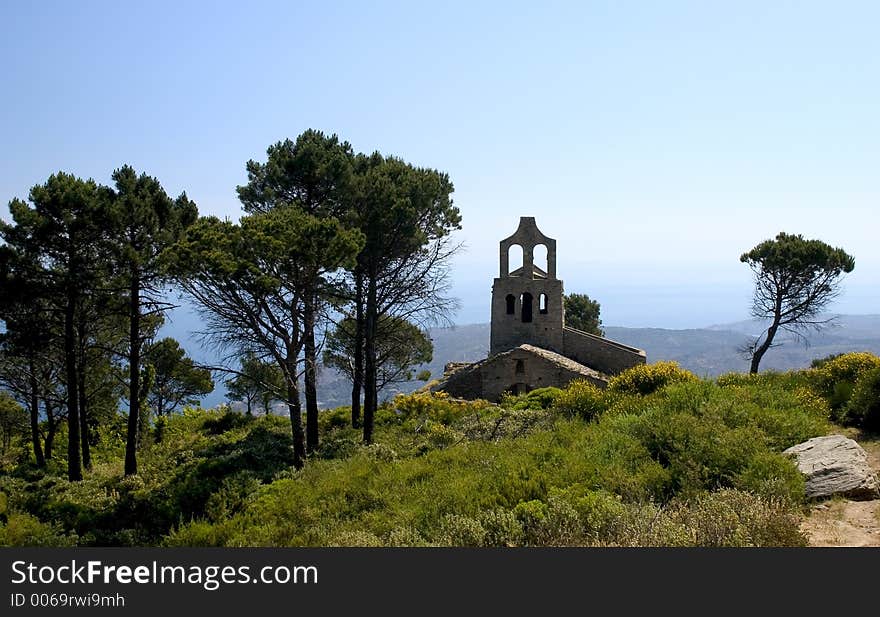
pixel 659 458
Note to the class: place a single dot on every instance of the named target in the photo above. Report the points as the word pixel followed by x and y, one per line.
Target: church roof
pixel 556 358
pixel 545 354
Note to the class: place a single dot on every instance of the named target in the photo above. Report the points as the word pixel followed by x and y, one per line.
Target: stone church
pixel 530 345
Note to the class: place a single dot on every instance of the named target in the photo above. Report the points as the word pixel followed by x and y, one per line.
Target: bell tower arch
pixel 527 300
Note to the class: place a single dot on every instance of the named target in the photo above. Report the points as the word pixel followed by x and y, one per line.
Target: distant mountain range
pixel 708 351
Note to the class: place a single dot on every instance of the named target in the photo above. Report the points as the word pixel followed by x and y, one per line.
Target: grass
pixel 690 462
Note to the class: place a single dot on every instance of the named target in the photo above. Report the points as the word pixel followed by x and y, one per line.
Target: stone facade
pixel 527 302
pixel 518 370
pixel 530 346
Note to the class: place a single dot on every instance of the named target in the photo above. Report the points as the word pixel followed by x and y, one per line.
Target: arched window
pixel 511 304
pixel 514 258
pixel 520 366
pixel 539 257
pixel 527 307
pixel 542 304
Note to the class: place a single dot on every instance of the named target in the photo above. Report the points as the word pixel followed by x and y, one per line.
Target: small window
pixel 520 366
pixel 511 304
pixel 527 307
pixel 543 304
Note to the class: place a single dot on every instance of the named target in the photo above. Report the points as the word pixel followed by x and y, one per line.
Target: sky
pixel 656 141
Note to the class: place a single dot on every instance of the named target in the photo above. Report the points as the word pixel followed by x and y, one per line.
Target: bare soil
pixel 842 522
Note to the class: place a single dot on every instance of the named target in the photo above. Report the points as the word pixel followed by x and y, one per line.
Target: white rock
pixel 835 465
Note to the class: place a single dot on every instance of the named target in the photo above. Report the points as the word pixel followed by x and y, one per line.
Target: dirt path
pixel 840 522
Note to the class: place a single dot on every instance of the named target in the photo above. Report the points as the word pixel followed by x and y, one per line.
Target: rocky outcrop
pixel 835 465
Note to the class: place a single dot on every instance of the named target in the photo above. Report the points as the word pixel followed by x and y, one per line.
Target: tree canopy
pixel 312 174
pixel 795 281
pixel 248 280
pixel 400 346
pixel 257 381
pixel 329 236
pixel 61 245
pixel 175 378
pixel 582 313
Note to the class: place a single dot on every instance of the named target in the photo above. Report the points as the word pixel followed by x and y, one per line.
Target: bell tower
pixel 527 301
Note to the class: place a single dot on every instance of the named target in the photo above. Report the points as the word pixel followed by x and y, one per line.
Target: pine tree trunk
pixel 295 409
pixel 311 375
pixel 357 381
pixel 370 393
pixel 51 429
pixel 768 340
pixel 294 406
pixel 34 405
pixel 74 464
pixel 763 347
pixel 84 415
pixel 134 377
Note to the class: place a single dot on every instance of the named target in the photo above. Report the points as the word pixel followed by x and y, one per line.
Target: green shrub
pixel 457 530
pixel 771 475
pixel 785 413
pixel 405 537
pixel 330 419
pixel 448 472
pixel 504 423
pixel 159 429
pixel 581 398
pixel 700 452
pixel 540 398
pixel 198 533
pixel 228 421
pixel 22 529
pixel 737 379
pixel 820 362
pixel 730 518
pixel 648 378
pixel 436 406
pixel 863 408
pixel 381 452
pixel 356 538
pixel 231 496
pixel 836 377
pixel 531 515
pixel 339 444
pixel 502 528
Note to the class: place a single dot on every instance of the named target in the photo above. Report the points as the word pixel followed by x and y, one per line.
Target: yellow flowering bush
pixel 648 378
pixel 436 406
pixel 581 398
pixel 835 378
pixel 845 367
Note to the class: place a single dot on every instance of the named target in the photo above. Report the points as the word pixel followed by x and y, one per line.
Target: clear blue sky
pixel 656 141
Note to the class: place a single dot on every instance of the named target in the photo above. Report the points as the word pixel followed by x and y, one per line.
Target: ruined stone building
pixel 530 345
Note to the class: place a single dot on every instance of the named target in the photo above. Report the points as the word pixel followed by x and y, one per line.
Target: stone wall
pixel 462 381
pixel 544 329
pixel 538 370
pixel 604 355
pixel 517 370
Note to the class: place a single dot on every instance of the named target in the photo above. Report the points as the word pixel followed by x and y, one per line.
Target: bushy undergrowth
pixel 863 407
pixel 670 460
pixel 648 378
pixel 836 377
pixel 583 399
